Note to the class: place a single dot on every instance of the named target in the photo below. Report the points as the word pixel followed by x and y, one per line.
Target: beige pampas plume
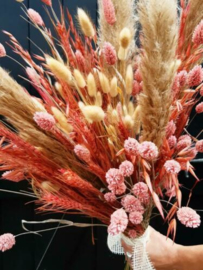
pixel 92 113
pixel 85 23
pixel 125 17
pixel 159 43
pixel 91 85
pixel 104 81
pixel 80 81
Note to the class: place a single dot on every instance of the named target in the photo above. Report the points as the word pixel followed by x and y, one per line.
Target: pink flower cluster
pixel 195 76
pixel 170 129
pixel 183 142
pixel 7 241
pixel 131 147
pixel 197 37
pixel 172 141
pixel 44 120
pixel 141 191
pixel 172 167
pixel 148 151
pixel 109 53
pixel 118 223
pixel 131 204
pixel 115 181
pixel 188 217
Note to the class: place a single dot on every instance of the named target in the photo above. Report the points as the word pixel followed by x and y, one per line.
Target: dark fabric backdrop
pixel 71 248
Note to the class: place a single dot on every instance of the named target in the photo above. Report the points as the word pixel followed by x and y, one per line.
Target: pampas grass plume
pixel 99 99
pixel 79 78
pixel 114 87
pixel 85 23
pixel 59 70
pixel 91 85
pixel 104 81
pixel 92 113
pixel 129 79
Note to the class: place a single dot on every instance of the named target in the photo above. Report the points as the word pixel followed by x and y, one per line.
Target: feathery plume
pixel 85 23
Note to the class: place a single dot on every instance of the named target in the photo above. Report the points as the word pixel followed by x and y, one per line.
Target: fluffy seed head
pixel 132 146
pixel 79 78
pixel 2 50
pixel 62 120
pixel 125 38
pixel 104 81
pixel 172 141
pixel 189 217
pixel 85 23
pixel 110 197
pixel 80 60
pixel 197 37
pixel 91 85
pixel 129 80
pixel 109 11
pixel 126 168
pixel 7 241
pixel 148 151
pixel 35 17
pixel 118 188
pixel 141 191
pixel 119 222
pixel 109 53
pixel 44 120
pixel 59 70
pixel 195 76
pixel 136 218
pixel 82 152
pixel 92 113
pixel 114 87
pixel 114 176
pixel 172 167
pixel 131 204
pixel 170 129
pixel 122 53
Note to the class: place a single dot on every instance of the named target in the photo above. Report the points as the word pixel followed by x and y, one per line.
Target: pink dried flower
pixel 131 204
pixel 109 11
pixel 132 234
pixel 148 151
pixel 47 2
pixel 2 50
pixel 15 176
pixel 176 85
pixel 33 76
pixel 7 241
pixel 136 218
pixel 132 146
pixel 188 217
pixel 199 146
pixel 136 88
pixel 185 137
pixel 80 60
pixel 110 197
pixel 109 53
pixel 35 17
pixel 199 108
pixel 172 141
pixel 126 168
pixel 82 152
pixel 183 142
pixel 141 191
pixel 195 76
pixel 119 222
pixel 170 129
pixel 197 37
pixel 44 120
pixel 117 188
pixel 114 176
pixel 138 76
pixel 182 78
pixel 172 167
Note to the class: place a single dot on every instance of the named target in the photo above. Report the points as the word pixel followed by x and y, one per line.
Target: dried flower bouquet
pixel 108 136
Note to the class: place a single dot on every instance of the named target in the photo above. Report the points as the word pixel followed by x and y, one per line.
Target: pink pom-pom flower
pixel 172 141
pixel 182 78
pixel 110 197
pixel 199 108
pixel 199 146
pixel 170 129
pixel 109 11
pixel 44 120
pixel 109 53
pixel 114 176
pixel 148 151
pixel 82 152
pixel 183 142
pixel 119 222
pixel 35 17
pixel 2 50
pixel 136 218
pixel 117 188
pixel 188 217
pixel 195 76
pixel 126 168
pixel 7 241
pixel 131 204
pixel 172 167
pixel 131 146
pixel 141 191
pixel 197 37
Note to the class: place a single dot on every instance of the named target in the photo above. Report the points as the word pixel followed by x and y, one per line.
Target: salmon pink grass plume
pixel 170 129
pixel 137 88
pixel 33 76
pixel 14 176
pixel 136 218
pixel 199 146
pixel 109 11
pixel 195 76
pixel 109 53
pixel 44 120
pixel 47 2
pixel 131 204
pixel 172 141
pixel 199 108
pixel 197 37
pixel 114 176
pixel 119 222
pixel 110 197
pixel 189 217
pixel 141 191
pixel 138 76
pixel 80 60
pixel 148 151
pixel 35 17
pixel 7 241
pixel 126 168
pixel 2 50
pixel 172 167
pixel 117 188
pixel 132 234
pixel 131 146
pixel 82 152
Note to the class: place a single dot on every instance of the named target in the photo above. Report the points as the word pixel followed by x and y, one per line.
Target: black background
pixel 71 248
